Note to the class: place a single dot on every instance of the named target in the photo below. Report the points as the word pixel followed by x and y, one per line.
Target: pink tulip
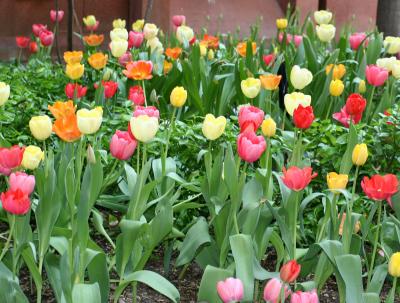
pixel 135 39
pixel 356 39
pixel 272 291
pixel 125 59
pixel 37 28
pixel 56 17
pixel 22 181
pixel 297 40
pixel 297 178
pixel 250 146
pixel 46 37
pixel 230 290
pixel 250 118
pixel 92 28
pixel 376 75
pixel 268 59
pixel 122 145
pixel 178 20
pixel 15 202
pixel 10 158
pixel 304 297
pixel 344 118
pixel 136 95
pixel 289 38
pixel 150 111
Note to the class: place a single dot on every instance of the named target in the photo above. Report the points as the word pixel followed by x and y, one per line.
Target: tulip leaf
pixel 208 290
pixel 88 293
pixel 347 161
pixel 349 267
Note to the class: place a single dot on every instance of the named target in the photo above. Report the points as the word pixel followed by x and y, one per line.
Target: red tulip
pixel 376 75
pixel 136 95
pixel 304 297
pixel 355 104
pixel 250 146
pixel 135 39
pixel 38 28
pixel 178 20
pixel 297 178
pixel 110 88
pixel 15 202
pixel 272 291
pixel 297 40
pixel 33 47
pixel 22 181
pixel 122 145
pixel 150 111
pixel 356 39
pixel 74 88
pixel 250 117
pixel 22 42
pixel 56 17
pixel 290 271
pixel 344 118
pixel 46 37
pixel 380 187
pixel 268 59
pixel 10 158
pixel 303 117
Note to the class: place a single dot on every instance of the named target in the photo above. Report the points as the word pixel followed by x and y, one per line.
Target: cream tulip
pixel 322 17
pixel 293 100
pixel 250 87
pixel 118 47
pixel 326 32
pixel 155 45
pixel 32 157
pixel 89 121
pixel 4 93
pixel 213 127
pixel 392 44
pixel 300 77
pixel 41 127
pixel 184 33
pixel 144 128
pixel 119 33
pixel 396 69
pixel 386 63
pixel 150 31
pixel 119 23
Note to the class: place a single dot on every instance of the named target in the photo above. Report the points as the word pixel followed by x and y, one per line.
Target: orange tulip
pixel 67 128
pixel 210 41
pixel 241 48
pixel 98 60
pixel 93 40
pixel 61 109
pixel 139 70
pixel 338 71
pixel 173 53
pixel 73 57
pixel 270 81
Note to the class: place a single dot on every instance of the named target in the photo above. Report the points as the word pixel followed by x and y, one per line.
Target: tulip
pixel 119 23
pixel 56 16
pixel 74 71
pixel 268 127
pixel 210 41
pixel 178 20
pixel 137 26
pixel 203 50
pixel 110 88
pixel 32 157
pixel 281 23
pixel 72 57
pixel 22 181
pixel 144 128
pixel 213 128
pixel 38 28
pixel 336 88
pixel 338 71
pixel 89 121
pixel 41 127
pixel 304 297
pixel 46 37
pixel 300 77
pixel 93 39
pixel 150 31
pixel 66 127
pixel 322 16
pixel 178 96
pixel 210 54
pixel 273 289
pixel 360 154
pixel 98 60
pixel 268 59
pixel 326 32
pixel 139 70
pixel 362 87
pixel 15 202
pixel 122 146
pixel 297 178
pixel 298 39
pixel 250 118
pixel 394 265
pixel 293 100
pixel 375 75
pixel 33 47
pixel 74 90
pixel 356 39
pixel 270 81
pixel 135 39
pixel 290 271
pixel 303 117
pixel 250 87
pixel 357 226
pixel 90 21
pixel 396 69
pixel 167 66
pixel 10 158
pixel 173 53
pixel 289 38
pixel 22 42
pixel 150 111
pixel 119 33
pixel 4 93
pixel 241 48
pixel 155 45
pixel 380 188
pixel 250 146
pixel 344 118
pixel 230 290
pixel 336 181
pixel 392 44
pixel 125 58
pixel 118 47
pixel 355 104
pixel 184 34
pixel 136 95
pixel 386 63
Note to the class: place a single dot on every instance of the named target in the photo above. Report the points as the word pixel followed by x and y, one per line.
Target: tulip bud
pixel 360 154
pixel 394 265
pixel 213 127
pixel 203 50
pixel 184 34
pixel 268 127
pixel 230 290
pixel 118 47
pixel 119 33
pixel 107 74
pixel 290 271
pixel 392 44
pixel 336 88
pixel 178 96
pixel 150 31
pixel 4 93
pixel 281 23
pixel 41 127
pixel 336 181
pixel 91 158
pixel 90 20
pixel 153 96
pixel 300 77
pixel 32 157
pixel 210 54
pixel 362 87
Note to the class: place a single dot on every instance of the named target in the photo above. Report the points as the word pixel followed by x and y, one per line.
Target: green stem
pixel 329 108
pixel 268 167
pixel 283 120
pixel 369 104
pixel 138 159
pixel 10 234
pixel 144 157
pixel 144 93
pixel 295 210
pixel 334 217
pixel 371 268
pixel 170 130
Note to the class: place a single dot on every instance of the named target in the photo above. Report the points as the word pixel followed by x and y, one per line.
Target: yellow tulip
pixel 270 81
pixel 137 26
pixel 250 87
pixel 98 60
pixel 4 93
pixel 167 67
pixel 119 23
pixel 144 128
pixel 32 157
pixel 118 47
pixel 119 33
pixel 392 44
pixel 336 88
pixel 300 77
pixel 210 54
pixel 89 20
pixel 281 23
pixel 41 127
pixel 184 34
pixel 362 88
pixel 322 17
pixel 360 154
pixel 89 121
pixel 74 71
pixel 150 31
pixel 203 50
pixel 213 127
pixel 178 96
pixel 336 181
pixel 394 265
pixel 326 32
pixel 73 57
pixel 293 100
pixel 338 71
pixel 268 127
